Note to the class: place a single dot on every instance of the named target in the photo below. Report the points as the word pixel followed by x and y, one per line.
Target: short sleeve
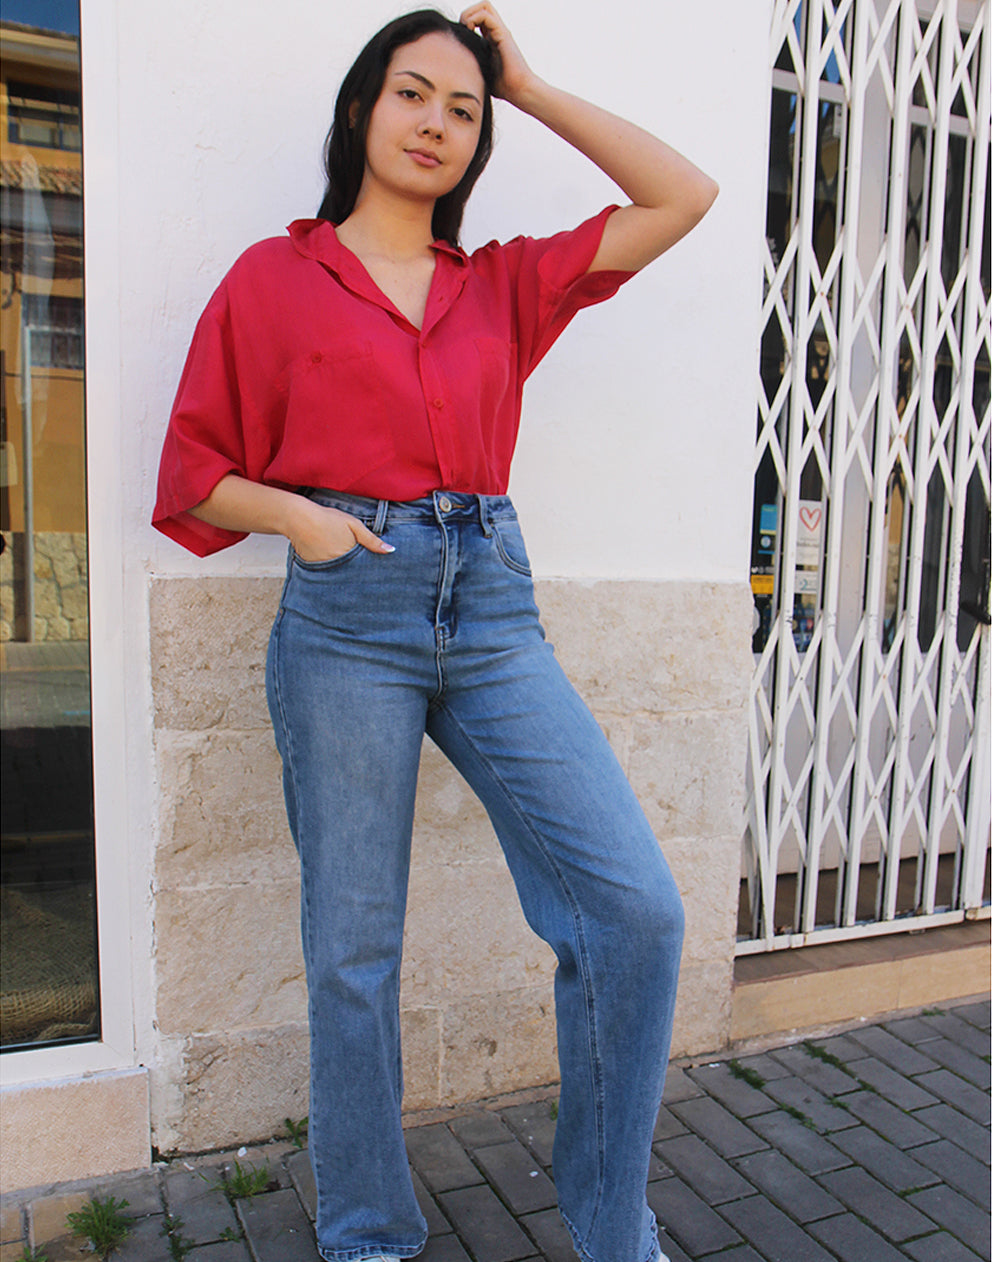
pixel 205 438
pixel 552 283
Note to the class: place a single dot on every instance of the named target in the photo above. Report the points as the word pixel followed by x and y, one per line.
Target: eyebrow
pixel 427 84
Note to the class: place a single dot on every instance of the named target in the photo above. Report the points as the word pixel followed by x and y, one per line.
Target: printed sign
pixel 809 534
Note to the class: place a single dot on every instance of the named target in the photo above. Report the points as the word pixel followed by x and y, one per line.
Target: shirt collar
pixel 316 239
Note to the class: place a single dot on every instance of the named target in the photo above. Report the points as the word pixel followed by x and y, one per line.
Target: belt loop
pixel 484 521
pixel 379 524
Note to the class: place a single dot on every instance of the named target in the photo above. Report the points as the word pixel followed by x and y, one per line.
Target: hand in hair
pixel 515 76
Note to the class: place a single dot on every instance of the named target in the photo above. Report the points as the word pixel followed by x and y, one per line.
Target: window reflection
pixel 48 966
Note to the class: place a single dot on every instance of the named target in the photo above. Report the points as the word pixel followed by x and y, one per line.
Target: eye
pixel 464 114
pixel 409 94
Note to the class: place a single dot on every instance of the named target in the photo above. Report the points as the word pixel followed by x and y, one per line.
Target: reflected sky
pixel 50 15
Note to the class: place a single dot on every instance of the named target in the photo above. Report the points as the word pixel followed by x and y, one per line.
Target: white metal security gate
pixel 869 780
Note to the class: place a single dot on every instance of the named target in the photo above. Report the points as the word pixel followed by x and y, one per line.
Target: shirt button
pixel 316 357
pixel 444 504
pixel 439 403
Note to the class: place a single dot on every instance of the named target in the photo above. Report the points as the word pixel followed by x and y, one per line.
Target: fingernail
pixel 386 547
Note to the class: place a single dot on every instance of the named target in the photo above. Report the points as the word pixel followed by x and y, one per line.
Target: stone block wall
pixel 665 669
pixel 61 605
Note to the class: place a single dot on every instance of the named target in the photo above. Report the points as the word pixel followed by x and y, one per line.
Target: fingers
pixel 367 539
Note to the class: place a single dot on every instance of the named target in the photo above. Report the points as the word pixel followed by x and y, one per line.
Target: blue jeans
pixel 369 652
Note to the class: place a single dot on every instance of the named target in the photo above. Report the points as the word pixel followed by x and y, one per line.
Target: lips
pixel 424 158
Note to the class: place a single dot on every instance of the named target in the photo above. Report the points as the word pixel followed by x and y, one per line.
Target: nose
pixel 433 122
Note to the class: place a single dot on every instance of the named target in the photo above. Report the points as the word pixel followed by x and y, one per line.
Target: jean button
pixel 444 504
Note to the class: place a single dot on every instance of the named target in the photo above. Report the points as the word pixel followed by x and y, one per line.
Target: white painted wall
pixel 635 453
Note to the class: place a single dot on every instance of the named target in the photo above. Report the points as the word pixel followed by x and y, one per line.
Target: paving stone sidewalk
pixel 866 1146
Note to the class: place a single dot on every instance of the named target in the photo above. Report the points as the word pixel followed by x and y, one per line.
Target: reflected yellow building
pixel 42 435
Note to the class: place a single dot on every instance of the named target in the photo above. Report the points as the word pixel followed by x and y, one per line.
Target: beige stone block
pixel 11 1224
pixel 661 647
pixel 229 958
pixel 705 873
pixel 688 772
pixel 75 604
pixel 420 1030
pixel 466 935
pixel 496 1043
pixel 703 1008
pixel 223 819
pixel 48 1216
pixel 77 1128
pixel 241 1087
pixel 208 646
pixel 450 824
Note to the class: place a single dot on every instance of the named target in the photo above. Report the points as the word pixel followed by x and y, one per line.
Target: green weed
pixel 179 1246
pixel 746 1074
pixel 553 1110
pixel 102 1223
pixel 246 1180
pixel 298 1131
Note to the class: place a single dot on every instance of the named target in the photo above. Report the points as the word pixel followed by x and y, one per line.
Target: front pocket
pixel 332 563
pixel 510 546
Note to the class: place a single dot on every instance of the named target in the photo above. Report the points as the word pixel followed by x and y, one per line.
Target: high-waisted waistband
pixel 436 507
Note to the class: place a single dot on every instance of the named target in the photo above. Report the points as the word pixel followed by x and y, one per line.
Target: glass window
pixel 49 989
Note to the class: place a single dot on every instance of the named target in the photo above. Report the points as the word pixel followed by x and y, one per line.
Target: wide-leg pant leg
pixel 349 724
pixel 593 883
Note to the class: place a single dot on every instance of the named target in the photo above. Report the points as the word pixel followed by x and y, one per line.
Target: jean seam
pixel 582 955
pixel 290 759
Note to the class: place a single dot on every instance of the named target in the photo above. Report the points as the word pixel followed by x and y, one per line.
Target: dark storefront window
pixel 48 966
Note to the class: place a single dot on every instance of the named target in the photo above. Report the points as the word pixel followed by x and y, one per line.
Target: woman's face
pixel 424 128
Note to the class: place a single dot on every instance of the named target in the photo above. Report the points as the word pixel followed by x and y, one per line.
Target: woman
pixel 369 357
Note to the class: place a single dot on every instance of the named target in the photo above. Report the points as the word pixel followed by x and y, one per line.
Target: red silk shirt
pixel 302 372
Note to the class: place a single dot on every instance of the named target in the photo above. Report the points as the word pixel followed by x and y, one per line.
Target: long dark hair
pixel 344 148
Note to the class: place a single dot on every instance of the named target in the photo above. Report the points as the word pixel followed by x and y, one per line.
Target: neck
pixel 398 228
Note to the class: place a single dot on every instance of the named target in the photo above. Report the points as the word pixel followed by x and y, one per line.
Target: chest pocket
pixel 497 359
pixel 337 410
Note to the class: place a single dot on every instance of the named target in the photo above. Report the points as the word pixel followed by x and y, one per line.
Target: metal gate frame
pixel 835 773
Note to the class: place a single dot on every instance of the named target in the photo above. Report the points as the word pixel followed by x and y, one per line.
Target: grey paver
pixel 485 1226
pixel 977 1014
pixel 145 1242
pixel 718 1127
pixel 893 1051
pixel 517 1177
pixel 853 1241
pixel 800 1143
pixel 551 1235
pixel 867 1197
pixel 842 1046
pixel 205 1211
pixel 954 1212
pixel 668 1124
pixel 480 1130
pixel 673 1252
pixel 962 1033
pixel 960 1061
pixel 892 1123
pixel 277 1228
pixel 940 1247
pixel 437 1224
pixel 443 1249
pixel 744 1254
pixel 439 1158
pixel 963 1095
pixel 733 1092
pixel 956 1168
pixel 899 1090
pixel 142 1193
pixel 765 1065
pixel 533 1124
pixel 961 1130
pixel 912 1030
pixel 884 1160
pixel 788 1187
pixel 828 1079
pixel 825 1115
pixel 679 1086
pixel 688 1219
pixel 775 1236
pixel 301 1172
pixel 703 1169
pixel 223 1251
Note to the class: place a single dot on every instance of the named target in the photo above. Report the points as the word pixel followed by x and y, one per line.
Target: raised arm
pixel 669 194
